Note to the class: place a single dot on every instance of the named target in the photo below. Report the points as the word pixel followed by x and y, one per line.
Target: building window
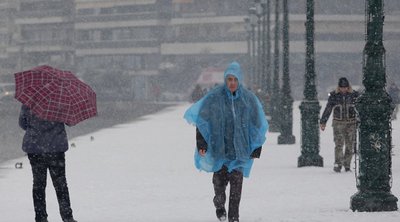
pixel 86 11
pixel 123 34
pixel 83 35
pixel 142 33
pixel 106 35
pixel 106 10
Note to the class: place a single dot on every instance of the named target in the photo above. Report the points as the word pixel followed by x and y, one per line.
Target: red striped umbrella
pixel 55 95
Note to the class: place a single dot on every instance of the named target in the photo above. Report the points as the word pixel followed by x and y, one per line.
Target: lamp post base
pixel 286 139
pixel 310 160
pixel 373 201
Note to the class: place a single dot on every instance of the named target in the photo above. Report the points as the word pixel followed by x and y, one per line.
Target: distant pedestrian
pixel 197 93
pixel 394 93
pixel 45 142
pixel 230 130
pixel 341 101
pixel 156 91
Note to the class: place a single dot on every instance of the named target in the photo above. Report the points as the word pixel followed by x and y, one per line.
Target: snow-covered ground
pixel 143 171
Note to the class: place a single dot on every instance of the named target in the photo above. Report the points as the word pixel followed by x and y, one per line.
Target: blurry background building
pixel 158 49
pixel 43 34
pixel 7 31
pixel 117 43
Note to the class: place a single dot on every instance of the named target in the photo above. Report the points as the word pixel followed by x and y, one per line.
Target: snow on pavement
pixel 143 171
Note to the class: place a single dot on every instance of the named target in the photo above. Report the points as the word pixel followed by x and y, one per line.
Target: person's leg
pixel 39 172
pixel 220 181
pixel 236 182
pixel 338 137
pixel 350 138
pixel 57 173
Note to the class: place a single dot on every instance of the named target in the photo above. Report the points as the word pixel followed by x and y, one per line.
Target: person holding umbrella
pixel 45 142
pixel 230 130
pixel 51 98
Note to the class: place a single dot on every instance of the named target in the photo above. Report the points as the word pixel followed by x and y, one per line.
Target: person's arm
pixel 201 143
pixel 326 113
pixel 256 123
pixel 23 122
pixel 256 153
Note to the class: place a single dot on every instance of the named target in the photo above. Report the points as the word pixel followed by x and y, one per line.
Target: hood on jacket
pixel 235 70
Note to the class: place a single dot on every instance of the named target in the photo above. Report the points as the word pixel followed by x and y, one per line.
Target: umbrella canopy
pixel 55 95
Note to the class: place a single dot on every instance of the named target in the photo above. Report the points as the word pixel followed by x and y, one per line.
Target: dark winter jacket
pixel 202 144
pixel 342 106
pixel 42 136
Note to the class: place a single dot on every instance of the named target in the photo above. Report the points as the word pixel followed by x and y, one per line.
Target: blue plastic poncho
pixel 232 124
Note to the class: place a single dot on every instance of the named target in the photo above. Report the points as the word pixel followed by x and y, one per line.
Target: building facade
pixel 119 37
pixel 142 47
pixel 44 34
pixel 7 32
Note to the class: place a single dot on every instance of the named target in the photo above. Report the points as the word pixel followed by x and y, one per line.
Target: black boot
pixel 233 219
pixel 221 214
pixel 337 168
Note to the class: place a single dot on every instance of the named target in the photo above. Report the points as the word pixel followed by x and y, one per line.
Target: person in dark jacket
pixel 230 130
pixel 197 93
pixel 45 142
pixel 341 102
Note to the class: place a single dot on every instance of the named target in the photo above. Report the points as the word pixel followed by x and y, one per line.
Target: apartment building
pixel 45 33
pixel 211 33
pixel 7 31
pixel 142 45
pixel 122 37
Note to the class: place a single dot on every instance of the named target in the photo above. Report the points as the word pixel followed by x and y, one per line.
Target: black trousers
pixel 221 179
pixel 55 162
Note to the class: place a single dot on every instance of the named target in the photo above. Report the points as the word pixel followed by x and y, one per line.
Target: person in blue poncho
pixel 230 131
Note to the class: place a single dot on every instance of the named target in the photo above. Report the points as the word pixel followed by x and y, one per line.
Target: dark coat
pixel 342 106
pixel 42 136
pixel 197 94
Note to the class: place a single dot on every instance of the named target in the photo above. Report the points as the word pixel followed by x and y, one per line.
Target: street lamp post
pixel 261 86
pixel 267 43
pixel 310 105
pixel 263 78
pixel 275 97
pixel 247 27
pixel 253 22
pixel 374 108
pixel 286 104
pixel 259 13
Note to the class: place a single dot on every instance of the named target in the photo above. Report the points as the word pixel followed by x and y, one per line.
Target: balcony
pixel 40 42
pixel 45 13
pixel 116 17
pixel 118 44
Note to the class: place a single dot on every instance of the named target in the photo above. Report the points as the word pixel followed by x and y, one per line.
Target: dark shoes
pixel 337 168
pixel 70 220
pixel 221 214
pixel 233 219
